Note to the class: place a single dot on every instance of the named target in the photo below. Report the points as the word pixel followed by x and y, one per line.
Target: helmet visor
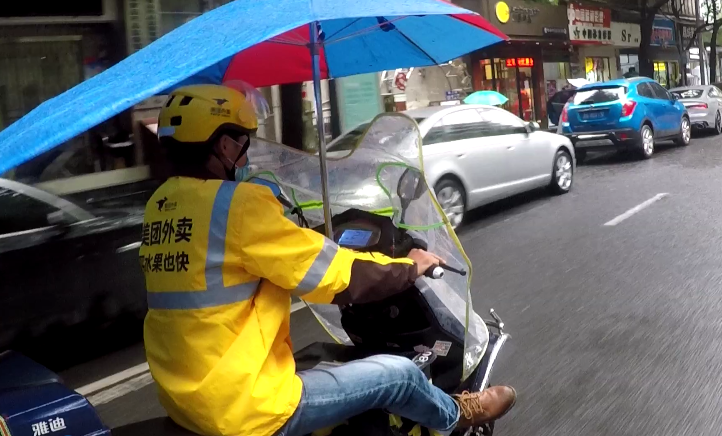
pixel 253 96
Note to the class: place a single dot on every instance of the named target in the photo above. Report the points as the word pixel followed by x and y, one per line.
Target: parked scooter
pixel 380 203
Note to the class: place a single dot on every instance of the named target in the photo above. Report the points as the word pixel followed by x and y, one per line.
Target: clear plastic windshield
pixel 368 177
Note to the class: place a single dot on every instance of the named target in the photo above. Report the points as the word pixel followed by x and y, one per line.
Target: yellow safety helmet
pixel 197 113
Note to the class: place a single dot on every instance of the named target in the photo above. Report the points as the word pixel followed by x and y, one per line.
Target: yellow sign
pixel 502 12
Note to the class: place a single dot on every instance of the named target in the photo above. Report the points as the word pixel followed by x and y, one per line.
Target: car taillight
pixel 697 106
pixel 565 117
pixel 628 107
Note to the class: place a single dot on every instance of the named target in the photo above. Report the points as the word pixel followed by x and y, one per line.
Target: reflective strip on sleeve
pixel 216 294
pixel 318 269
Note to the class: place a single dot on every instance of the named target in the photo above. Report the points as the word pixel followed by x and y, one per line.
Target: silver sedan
pixel 704 104
pixel 474 155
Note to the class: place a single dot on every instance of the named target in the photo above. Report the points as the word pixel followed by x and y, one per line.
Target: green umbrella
pixel 491 98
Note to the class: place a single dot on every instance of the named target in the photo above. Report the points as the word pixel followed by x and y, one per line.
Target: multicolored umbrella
pixel 263 42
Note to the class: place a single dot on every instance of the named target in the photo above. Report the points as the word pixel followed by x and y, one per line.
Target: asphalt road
pixel 616 330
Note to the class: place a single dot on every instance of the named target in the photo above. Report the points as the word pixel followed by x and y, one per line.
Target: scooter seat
pixel 162 426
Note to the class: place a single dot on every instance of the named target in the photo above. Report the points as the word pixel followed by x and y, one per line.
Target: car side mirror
pixel 60 219
pixel 674 97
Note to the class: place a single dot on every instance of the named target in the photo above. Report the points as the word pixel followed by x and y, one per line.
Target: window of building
pixel 175 13
pixel 629 64
pixel 667 74
pixel 597 69
pixel 33 71
pixel 556 75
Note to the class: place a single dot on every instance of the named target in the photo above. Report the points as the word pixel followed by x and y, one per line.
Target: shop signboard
pixel 556 32
pixel 625 34
pixel 359 99
pixel 687 35
pixel 519 62
pixel 142 19
pixel 523 18
pixel 453 95
pixel 663 33
pixel 589 24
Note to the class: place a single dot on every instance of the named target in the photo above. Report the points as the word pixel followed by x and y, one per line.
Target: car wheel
pixel 685 133
pixel 647 142
pixel 581 156
pixel 562 173
pixel 717 124
pixel 452 198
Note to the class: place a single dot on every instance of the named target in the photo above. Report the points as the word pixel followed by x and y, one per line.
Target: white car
pixel 704 105
pixel 474 155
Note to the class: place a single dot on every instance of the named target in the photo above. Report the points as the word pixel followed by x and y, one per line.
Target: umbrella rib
pixel 344 28
pixel 418 47
pixel 288 42
pixel 366 30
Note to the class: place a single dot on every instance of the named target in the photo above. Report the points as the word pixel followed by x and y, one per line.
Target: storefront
pixel 533 64
pixel 664 53
pixel 626 37
pixel 591 34
pixel 690 61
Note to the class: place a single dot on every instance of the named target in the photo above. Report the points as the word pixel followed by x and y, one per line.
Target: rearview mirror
pixel 532 126
pixel 59 218
pixel 410 187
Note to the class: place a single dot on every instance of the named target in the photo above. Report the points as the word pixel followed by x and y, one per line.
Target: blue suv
pixel 624 114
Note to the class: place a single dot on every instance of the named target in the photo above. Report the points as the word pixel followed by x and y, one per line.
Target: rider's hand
pixel 424 260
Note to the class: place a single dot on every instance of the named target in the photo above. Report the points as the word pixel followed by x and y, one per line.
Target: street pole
pixel 316 64
pixel 700 45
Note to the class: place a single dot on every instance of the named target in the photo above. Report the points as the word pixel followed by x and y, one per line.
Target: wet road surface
pixel 615 329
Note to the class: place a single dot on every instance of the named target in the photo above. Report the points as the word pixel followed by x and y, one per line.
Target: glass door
pixel 506 85
pixel 526 94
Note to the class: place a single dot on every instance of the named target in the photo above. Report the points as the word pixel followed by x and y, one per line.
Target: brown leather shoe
pixel 488 405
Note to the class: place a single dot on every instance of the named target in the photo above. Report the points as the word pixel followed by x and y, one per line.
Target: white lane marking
pixel 616 220
pixel 121 389
pixel 113 379
pixel 297 306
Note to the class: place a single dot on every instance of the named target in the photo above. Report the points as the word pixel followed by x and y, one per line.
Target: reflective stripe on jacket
pixel 221 261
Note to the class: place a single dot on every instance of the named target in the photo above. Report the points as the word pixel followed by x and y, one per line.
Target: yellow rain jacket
pixel 221 262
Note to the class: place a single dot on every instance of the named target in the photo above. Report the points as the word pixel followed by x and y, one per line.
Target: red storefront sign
pixel 520 62
pixel 589 24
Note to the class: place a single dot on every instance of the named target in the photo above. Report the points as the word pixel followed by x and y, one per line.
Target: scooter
pixel 431 322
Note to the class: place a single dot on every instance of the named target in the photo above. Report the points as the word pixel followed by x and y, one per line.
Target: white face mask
pixel 241 173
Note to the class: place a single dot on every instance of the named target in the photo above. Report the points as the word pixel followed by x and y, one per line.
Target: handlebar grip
pixel 436 272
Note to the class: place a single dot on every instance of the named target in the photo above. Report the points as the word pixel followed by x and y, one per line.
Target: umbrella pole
pixel 316 65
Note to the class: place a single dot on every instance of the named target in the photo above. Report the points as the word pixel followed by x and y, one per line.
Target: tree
pixel 712 16
pixel 648 9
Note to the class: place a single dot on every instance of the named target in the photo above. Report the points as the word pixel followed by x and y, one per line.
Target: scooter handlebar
pixel 436 272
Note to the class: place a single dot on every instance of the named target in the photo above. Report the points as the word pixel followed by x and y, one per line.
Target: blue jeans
pixel 330 396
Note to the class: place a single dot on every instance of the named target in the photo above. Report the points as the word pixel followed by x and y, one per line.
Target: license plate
pixel 592 115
